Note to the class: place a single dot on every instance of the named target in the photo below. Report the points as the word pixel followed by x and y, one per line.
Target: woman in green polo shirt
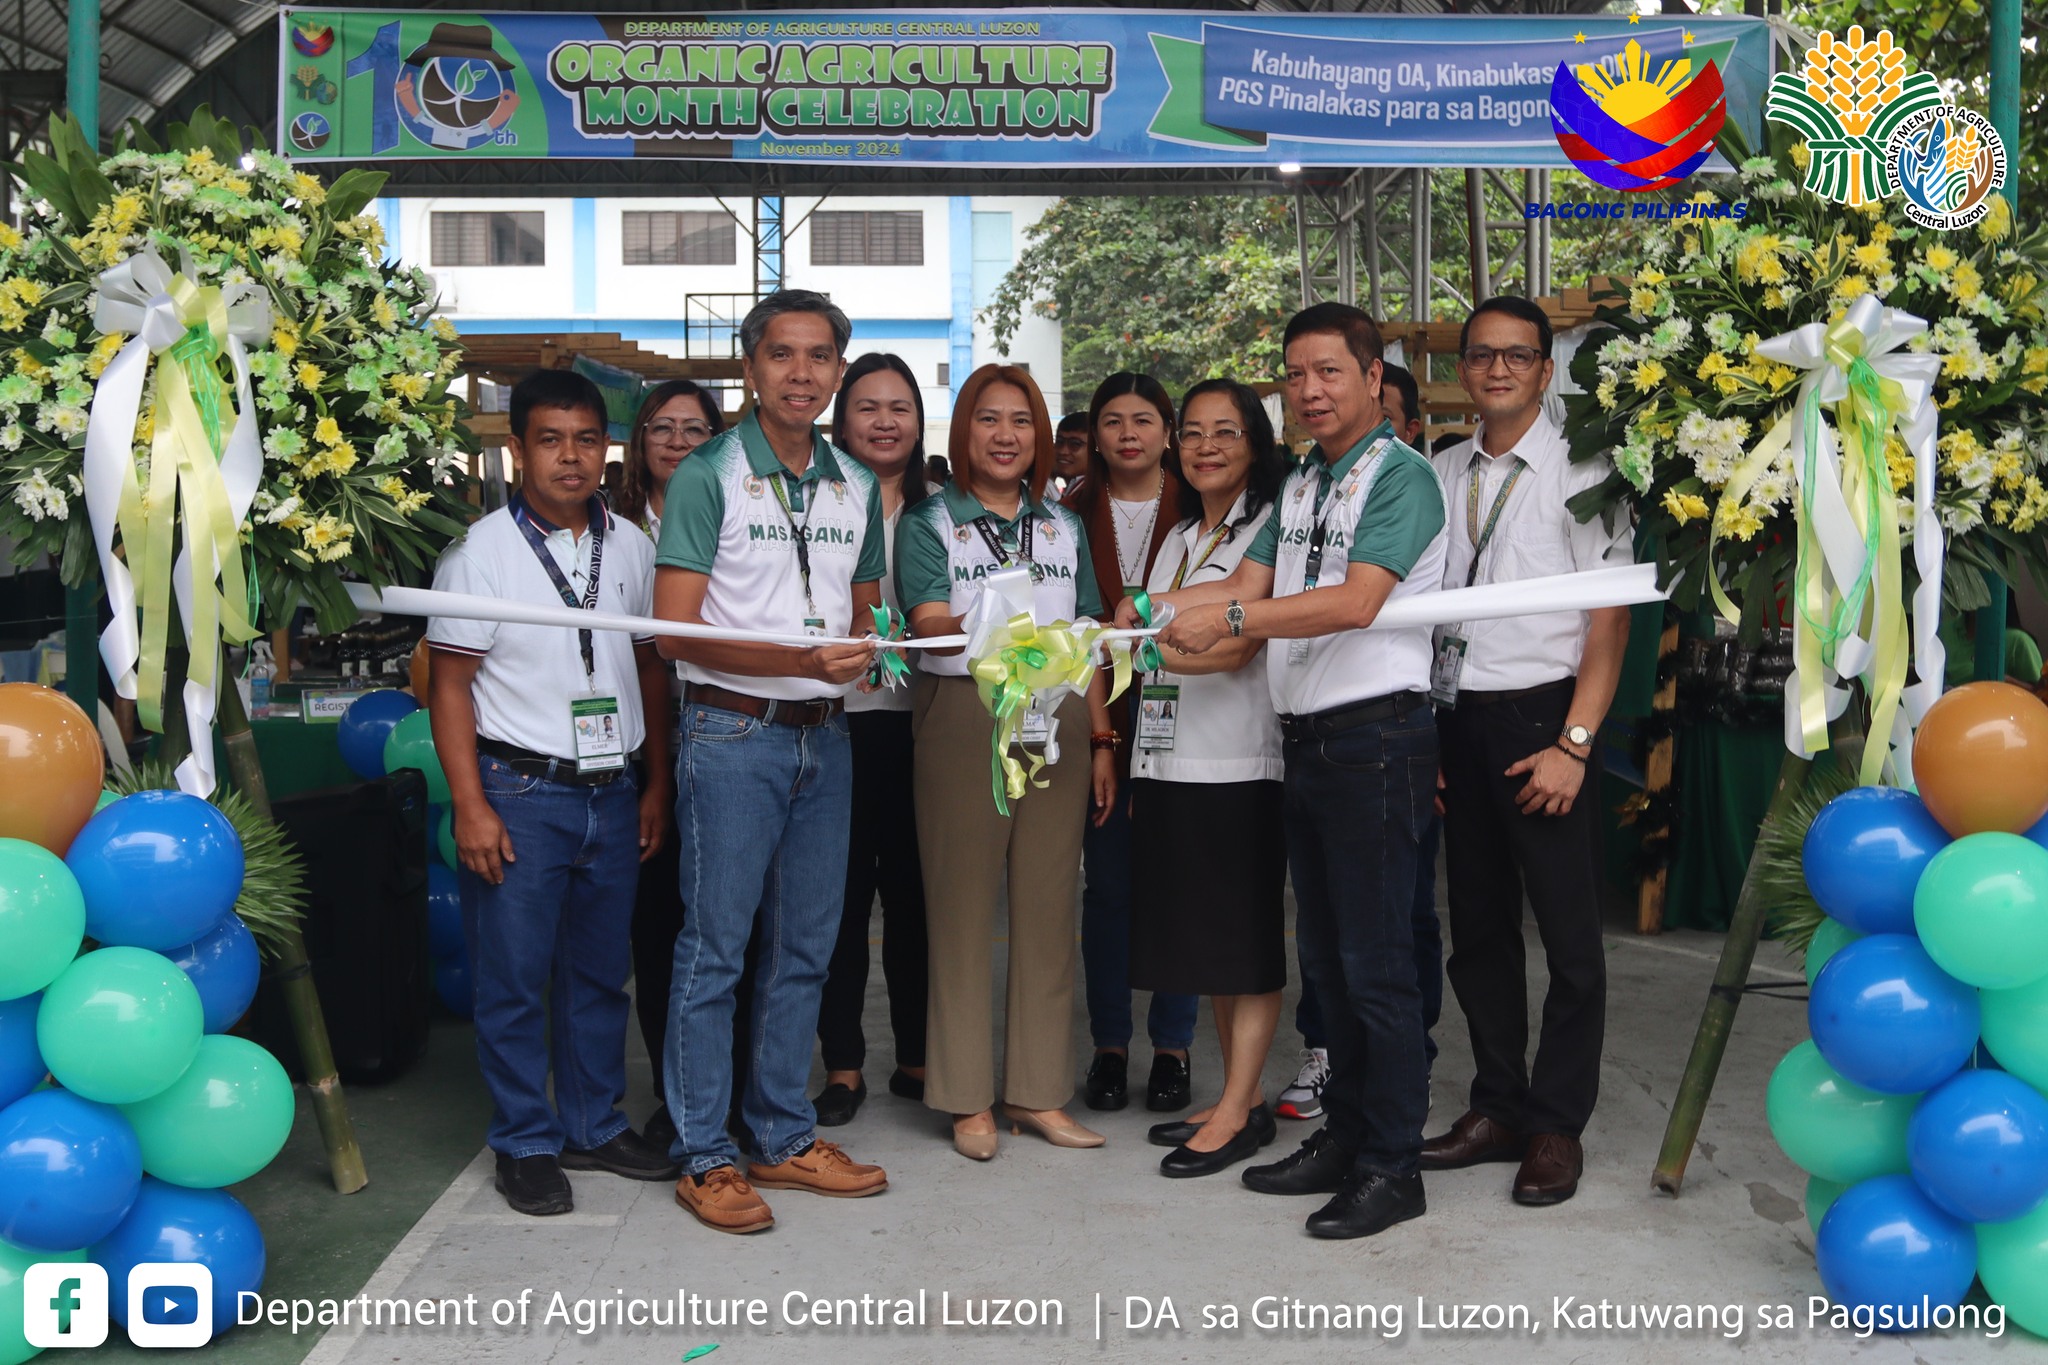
pixel 993 517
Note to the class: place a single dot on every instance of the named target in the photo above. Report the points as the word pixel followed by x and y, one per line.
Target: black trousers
pixel 1494 854
pixel 881 859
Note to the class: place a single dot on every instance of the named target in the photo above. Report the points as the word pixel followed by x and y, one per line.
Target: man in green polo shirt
pixel 1360 525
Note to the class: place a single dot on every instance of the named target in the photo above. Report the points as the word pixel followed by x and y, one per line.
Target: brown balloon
pixel 51 766
pixel 421 669
pixel 1981 759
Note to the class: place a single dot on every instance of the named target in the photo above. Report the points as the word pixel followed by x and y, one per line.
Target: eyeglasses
pixel 1519 358
pixel 696 433
pixel 1222 436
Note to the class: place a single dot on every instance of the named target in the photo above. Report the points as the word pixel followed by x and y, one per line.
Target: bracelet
pixel 1568 753
pixel 1105 739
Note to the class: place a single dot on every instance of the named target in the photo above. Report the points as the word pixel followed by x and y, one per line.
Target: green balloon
pixel 1830 938
pixel 42 917
pixel 1982 910
pixel 444 838
pixel 220 1122
pixel 1832 1127
pixel 2012 1260
pixel 119 1024
pixel 411 745
pixel 1820 1197
pixel 2016 1030
pixel 106 799
pixel 14 1264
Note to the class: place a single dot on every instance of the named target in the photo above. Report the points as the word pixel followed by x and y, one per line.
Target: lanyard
pixel 538 543
pixel 1325 505
pixel 1180 575
pixel 1482 538
pixel 800 533
pixel 1005 556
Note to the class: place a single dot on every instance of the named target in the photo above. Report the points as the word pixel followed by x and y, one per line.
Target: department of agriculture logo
pixel 1848 100
pixel 310 132
pixel 1948 161
pixel 455 91
pixel 1630 130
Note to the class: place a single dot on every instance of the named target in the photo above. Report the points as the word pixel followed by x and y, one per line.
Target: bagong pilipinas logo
pixel 1948 161
pixel 1629 130
pixel 455 91
pixel 1848 99
pixel 312 39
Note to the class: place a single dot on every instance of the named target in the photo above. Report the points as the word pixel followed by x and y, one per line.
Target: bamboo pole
pixel 1717 1021
pixel 1657 767
pixel 293 973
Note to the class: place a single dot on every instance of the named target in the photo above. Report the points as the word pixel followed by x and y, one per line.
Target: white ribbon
pixel 1884 331
pixel 134 300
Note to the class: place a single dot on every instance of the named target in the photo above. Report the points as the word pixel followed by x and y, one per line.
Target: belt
pixel 1351 715
pixel 1514 693
pixel 761 708
pixel 545 766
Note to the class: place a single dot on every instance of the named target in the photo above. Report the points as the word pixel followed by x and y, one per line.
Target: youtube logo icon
pixel 170 1304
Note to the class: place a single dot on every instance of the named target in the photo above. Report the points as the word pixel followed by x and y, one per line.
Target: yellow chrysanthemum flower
pixel 327 432
pixel 311 377
pixel 1648 375
pixel 1684 507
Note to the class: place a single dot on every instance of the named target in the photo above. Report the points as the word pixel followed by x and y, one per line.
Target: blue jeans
pixel 1356 805
pixel 557 929
pixel 1106 941
pixel 761 827
pixel 1428 931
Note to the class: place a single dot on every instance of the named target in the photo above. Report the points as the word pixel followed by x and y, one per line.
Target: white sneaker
pixel 1304 1098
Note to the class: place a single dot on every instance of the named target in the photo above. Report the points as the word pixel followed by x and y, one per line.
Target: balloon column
pixel 1919 1109
pixel 153 1107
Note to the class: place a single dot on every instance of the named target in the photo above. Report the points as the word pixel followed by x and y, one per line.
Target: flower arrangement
pixel 1678 393
pixel 361 437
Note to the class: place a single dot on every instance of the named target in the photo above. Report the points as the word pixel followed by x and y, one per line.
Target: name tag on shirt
pixel 1158 713
pixel 599 733
pixel 1037 726
pixel 1444 671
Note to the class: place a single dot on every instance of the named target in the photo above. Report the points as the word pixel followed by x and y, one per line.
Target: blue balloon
pixel 1887 1018
pixel 1979 1147
pixel 1884 1245
pixel 2039 833
pixel 21 1061
pixel 158 870
pixel 69 1170
pixel 452 984
pixel 366 725
pixel 225 967
pixel 1864 854
pixel 172 1223
pixel 444 913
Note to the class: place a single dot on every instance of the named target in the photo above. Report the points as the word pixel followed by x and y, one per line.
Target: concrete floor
pixel 1094 1232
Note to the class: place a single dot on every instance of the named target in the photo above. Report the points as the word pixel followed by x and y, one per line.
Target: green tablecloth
pixel 1724 776
pixel 297 757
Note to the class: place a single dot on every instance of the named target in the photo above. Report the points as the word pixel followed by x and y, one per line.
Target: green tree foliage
pixel 1181 289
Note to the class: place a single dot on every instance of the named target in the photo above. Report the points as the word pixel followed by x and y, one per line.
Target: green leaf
pixel 91 191
pixel 349 193
pixel 48 180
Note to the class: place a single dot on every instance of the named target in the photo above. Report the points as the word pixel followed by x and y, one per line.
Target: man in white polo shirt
pixel 1360 525
pixel 768 528
pixel 1521 700
pixel 536 727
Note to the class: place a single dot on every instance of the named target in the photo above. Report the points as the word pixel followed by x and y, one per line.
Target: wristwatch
pixel 1579 734
pixel 1233 616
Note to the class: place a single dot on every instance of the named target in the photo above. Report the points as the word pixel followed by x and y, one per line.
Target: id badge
pixel 814 626
pixel 1158 713
pixel 1443 674
pixel 600 733
pixel 1037 726
pixel 1297 651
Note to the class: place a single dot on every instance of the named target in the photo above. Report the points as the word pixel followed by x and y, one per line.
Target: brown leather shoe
pixel 1473 1140
pixel 1550 1173
pixel 722 1199
pixel 821 1168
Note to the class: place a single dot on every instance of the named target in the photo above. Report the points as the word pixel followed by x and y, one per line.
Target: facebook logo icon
pixel 64 1303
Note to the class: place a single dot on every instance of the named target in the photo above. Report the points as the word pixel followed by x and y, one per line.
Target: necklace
pixel 1134 576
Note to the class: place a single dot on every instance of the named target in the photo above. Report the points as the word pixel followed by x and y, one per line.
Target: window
pixel 945 375
pixel 867 238
pixel 686 238
pixel 490 239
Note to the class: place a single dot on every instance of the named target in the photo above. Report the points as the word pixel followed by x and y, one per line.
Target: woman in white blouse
pixel 1209 850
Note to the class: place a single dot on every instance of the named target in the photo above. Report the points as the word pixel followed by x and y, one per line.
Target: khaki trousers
pixel 966 845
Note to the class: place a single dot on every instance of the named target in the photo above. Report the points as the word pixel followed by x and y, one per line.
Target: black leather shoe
pixel 1183 1162
pixel 903 1085
pixel 1369 1204
pixel 1108 1085
pixel 628 1154
pixel 1318 1166
pixel 837 1104
pixel 1171 1134
pixel 1171 1086
pixel 1264 1124
pixel 534 1185
pixel 660 1129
